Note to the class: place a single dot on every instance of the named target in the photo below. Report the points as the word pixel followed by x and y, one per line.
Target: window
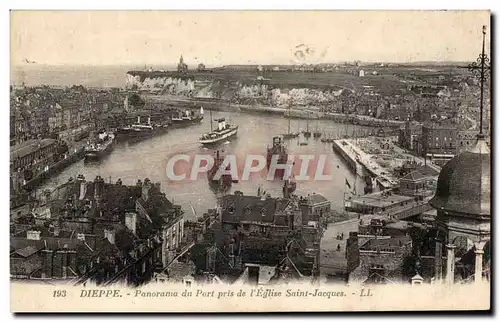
pixel 188 283
pixel 437 138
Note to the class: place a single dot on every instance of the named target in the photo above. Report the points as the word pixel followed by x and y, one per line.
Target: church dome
pixel 464 183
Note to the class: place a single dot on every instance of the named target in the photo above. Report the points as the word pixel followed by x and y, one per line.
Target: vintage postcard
pixel 250 161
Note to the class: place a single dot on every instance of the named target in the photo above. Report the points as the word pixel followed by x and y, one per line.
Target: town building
pixel 416 184
pixel 409 137
pixel 439 139
pixel 466 140
pixel 446 141
pixel 388 204
pixel 381 260
pixel 111 232
pixel 255 235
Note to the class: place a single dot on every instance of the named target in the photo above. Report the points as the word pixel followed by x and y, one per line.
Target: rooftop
pixel 389 242
pixel 413 176
pixel 317 198
pixel 380 200
pixel 29 147
pixel 237 208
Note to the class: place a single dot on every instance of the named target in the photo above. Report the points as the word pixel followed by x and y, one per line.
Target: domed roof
pixel 464 183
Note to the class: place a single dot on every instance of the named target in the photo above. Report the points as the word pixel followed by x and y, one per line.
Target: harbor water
pixel 148 158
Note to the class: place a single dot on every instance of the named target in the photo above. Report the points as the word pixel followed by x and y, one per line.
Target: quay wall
pixel 348 157
pixel 41 177
pixel 176 101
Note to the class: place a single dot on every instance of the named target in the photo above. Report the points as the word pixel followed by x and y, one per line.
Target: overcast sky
pixel 217 38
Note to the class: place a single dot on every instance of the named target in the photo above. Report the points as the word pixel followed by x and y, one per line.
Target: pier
pixel 356 158
pixel 347 153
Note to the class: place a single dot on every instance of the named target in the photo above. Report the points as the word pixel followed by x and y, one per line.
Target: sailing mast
pixel 211 122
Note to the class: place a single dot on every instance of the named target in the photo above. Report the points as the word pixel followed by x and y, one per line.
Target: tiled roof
pixel 29 147
pixel 317 198
pixel 27 251
pixel 249 208
pixel 389 242
pixel 413 176
pixel 22 242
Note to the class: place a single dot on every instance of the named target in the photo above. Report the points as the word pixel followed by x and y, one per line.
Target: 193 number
pixel 59 293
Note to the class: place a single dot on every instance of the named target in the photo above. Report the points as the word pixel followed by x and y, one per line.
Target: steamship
pixel 102 145
pixel 142 130
pixel 225 180
pixel 187 118
pixel 224 131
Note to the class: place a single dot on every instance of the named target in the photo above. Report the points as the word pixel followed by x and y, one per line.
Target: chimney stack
pixel 145 189
pixel 33 235
pixel 109 234
pixel 98 187
pixel 131 221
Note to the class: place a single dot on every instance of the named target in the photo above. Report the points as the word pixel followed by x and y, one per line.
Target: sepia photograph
pixel 250 161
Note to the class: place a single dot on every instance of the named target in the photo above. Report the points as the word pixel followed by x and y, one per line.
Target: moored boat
pixel 141 130
pixel 186 118
pixel 100 146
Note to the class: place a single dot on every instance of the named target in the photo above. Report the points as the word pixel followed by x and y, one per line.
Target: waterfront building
pixel 439 139
pixel 416 184
pixel 32 153
pixel 409 137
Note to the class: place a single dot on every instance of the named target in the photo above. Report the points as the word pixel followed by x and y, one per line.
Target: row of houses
pixel 99 232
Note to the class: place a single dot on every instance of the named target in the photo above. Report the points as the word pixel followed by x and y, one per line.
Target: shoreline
pixel 294 113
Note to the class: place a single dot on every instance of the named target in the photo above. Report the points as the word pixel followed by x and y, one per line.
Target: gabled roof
pixel 27 251
pixel 316 198
pixel 237 208
pixel 413 176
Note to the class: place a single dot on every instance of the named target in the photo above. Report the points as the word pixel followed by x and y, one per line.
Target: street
pixel 332 260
